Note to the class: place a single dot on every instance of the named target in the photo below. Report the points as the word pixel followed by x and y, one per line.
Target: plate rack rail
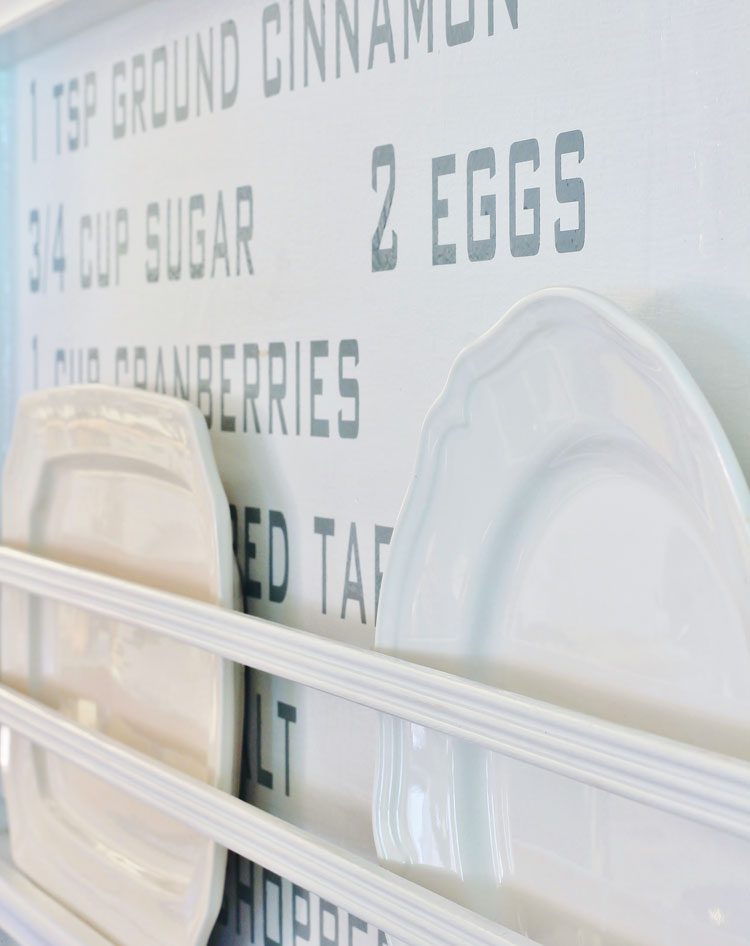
pixel 675 777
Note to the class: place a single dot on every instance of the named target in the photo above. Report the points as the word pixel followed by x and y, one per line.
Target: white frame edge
pixel 45 22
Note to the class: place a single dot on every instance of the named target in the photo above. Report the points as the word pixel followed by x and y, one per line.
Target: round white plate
pixel 122 482
pixel 576 531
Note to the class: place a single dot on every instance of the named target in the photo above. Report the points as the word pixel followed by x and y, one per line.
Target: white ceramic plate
pixel 123 482
pixel 576 531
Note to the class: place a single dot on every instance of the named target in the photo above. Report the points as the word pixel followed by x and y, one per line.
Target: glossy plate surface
pixel 576 531
pixel 122 482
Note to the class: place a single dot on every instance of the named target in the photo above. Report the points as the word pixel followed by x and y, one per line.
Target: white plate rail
pixel 412 914
pixel 678 778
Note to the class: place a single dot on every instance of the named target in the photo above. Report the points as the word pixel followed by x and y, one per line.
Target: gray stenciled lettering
pixel 297 388
pixel 276 389
pixel 160 381
pixel 512 8
pixel 355 924
pixel 524 244
pixel 229 38
pixel 140 367
pixel 291 45
pixel 271 84
pixel 84 242
pixel 246 894
pixel 174 268
pixel 353 590
pixel 69 366
pixel 315 37
pixel 324 527
pixel 203 387
pixel 58 245
pixel 480 160
pixel 570 190
pixel 102 272
pixel 237 891
pixel 93 370
pixel 58 90
pixel 383 535
pixel 348 389
pixel 191 240
pixel 89 103
pixel 318 425
pixel 250 355
pixel 181 388
pixel 442 253
pixel 220 249
pixel 228 421
pixel 251 585
pixel 181 109
pixel 352 34
pixel 289 715
pixel 244 230
pixel 417 9
pixel 328 928
pixel 35 273
pixel 122 363
pixel 152 243
pixel 272 880
pixel 150 89
pixel 300 925
pixel 99 253
pixel 57 93
pixel 524 201
pixel 197 240
pixel 242 386
pixel 122 239
pixel 384 259
pixel 119 116
pixel 138 95
pixel 286 49
pixel 235 548
pixel 462 32
pixel 74 117
pixel 290 910
pixel 381 32
pixel 205 69
pixel 159 64
pixel 277 589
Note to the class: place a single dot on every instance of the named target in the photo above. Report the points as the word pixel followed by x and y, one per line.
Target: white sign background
pixel 656 92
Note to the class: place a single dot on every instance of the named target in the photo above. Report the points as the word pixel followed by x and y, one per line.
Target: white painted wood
pixel 412 914
pixel 706 787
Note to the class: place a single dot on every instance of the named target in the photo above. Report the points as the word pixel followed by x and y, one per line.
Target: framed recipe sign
pixel 295 214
